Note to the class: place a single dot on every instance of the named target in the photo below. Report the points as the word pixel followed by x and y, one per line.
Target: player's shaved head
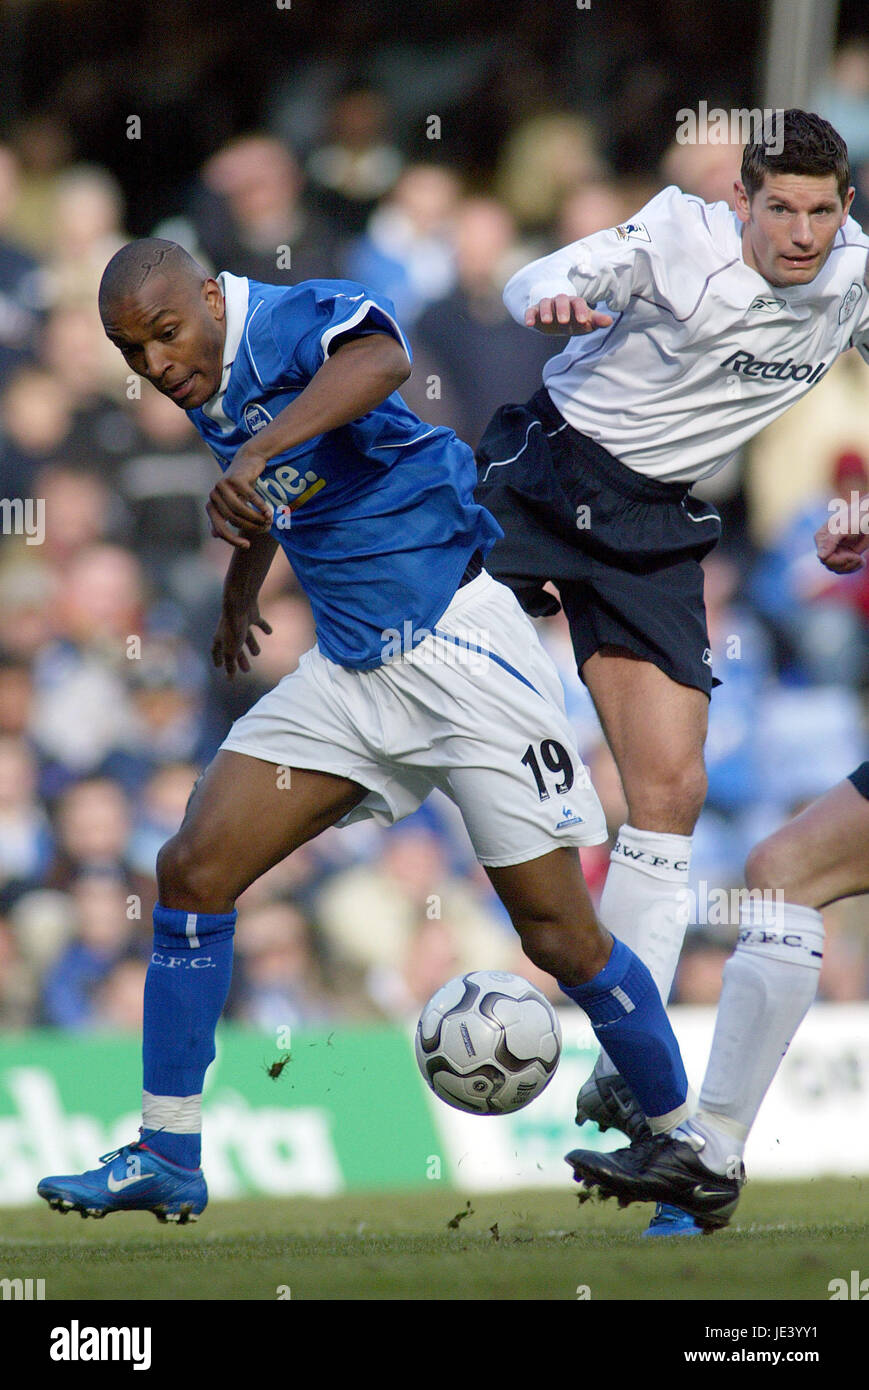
pixel 167 315
pixel 130 268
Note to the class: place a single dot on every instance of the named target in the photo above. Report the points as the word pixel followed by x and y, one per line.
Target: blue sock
pixel 630 1023
pixel 185 991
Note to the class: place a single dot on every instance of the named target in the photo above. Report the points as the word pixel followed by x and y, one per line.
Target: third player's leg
pixel 244 816
pixel 821 855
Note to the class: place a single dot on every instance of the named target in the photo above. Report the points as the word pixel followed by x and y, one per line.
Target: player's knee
pixel 188 877
pixel 669 800
pixel 567 954
pixel 771 865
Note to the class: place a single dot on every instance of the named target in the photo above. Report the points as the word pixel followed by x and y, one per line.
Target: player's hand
pixel 563 315
pixel 234 633
pixel 234 500
pixel 841 553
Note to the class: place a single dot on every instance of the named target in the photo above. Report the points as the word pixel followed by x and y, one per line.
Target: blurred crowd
pixel 110 582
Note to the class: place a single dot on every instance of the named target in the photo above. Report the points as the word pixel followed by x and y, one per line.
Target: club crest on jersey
pixel 766 304
pixel 256 418
pixel 632 231
pixel 850 302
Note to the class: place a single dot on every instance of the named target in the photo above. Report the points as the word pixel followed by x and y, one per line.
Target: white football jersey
pixel 703 351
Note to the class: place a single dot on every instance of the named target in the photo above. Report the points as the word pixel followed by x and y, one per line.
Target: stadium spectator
pixel 105 936
pixel 248 214
pixel 406 251
pixel 92 819
pixel 26 840
pixel 36 426
pixel 473 342
pixel 82 708
pixel 21 281
pixel 820 616
pixel 369 914
pixel 542 160
pixel 16 696
pixel 357 164
pixel 117 1002
pixel 279 981
pixel 87 229
pixel 18 984
pixel 595 204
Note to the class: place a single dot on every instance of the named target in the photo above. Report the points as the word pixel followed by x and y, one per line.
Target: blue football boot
pixel 132 1178
pixel 671 1221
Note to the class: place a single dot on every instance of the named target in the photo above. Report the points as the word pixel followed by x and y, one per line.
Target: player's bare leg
pixel 656 729
pixel 821 855
pixel 550 907
pixel 244 816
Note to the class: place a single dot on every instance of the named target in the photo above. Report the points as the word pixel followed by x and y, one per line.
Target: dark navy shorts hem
pixel 860 779
pixel 622 550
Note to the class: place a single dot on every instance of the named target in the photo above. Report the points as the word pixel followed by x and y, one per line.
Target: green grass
pixel 787 1242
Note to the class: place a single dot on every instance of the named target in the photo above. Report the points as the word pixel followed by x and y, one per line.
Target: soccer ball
pixel 488 1042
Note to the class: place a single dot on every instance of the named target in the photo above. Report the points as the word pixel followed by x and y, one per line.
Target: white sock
pixel 644 904
pixel 770 982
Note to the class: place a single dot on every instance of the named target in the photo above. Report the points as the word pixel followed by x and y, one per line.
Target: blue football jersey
pixel 378 518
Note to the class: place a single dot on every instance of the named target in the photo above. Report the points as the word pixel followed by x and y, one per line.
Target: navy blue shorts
pixel 860 778
pixel 622 550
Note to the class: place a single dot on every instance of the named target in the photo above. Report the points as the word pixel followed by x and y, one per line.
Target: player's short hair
pixel 130 267
pixel 808 145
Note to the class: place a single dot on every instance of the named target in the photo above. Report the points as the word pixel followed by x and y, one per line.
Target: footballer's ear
pixel 849 198
pixel 741 201
pixel 213 296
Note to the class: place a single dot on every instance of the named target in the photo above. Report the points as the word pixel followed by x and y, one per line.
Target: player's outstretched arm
pixel 357 376
pixel 565 314
pixel 841 547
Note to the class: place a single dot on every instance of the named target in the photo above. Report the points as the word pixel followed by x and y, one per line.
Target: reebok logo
pixel 746 364
pixel 766 304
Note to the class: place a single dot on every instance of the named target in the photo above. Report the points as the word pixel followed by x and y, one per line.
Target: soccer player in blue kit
pixel 295 392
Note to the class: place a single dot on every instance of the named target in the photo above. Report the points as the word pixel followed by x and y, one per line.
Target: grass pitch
pixel 787 1242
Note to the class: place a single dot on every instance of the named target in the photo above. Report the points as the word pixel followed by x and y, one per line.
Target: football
pixel 488 1042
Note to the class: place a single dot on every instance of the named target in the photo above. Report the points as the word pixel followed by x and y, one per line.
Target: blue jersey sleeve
pixel 312 319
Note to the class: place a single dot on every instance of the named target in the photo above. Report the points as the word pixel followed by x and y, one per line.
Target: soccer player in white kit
pixel 691 327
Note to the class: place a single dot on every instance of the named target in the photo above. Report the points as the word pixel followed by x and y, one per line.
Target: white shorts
pixel 476 709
